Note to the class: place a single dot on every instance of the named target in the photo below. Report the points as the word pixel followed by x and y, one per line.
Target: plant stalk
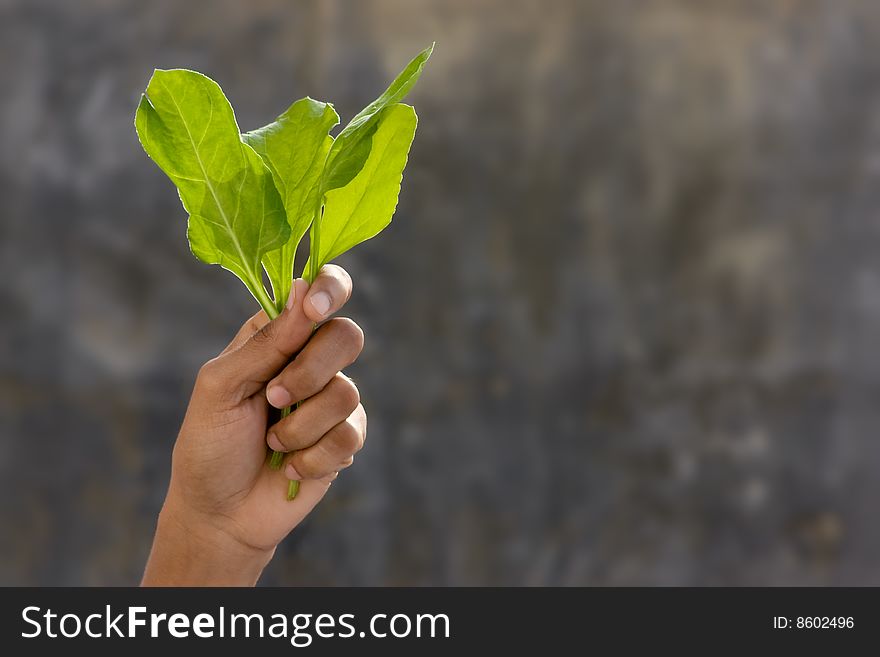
pixel 276 458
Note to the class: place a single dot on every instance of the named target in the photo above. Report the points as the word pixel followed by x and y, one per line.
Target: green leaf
pixel 294 147
pixel 361 209
pixel 352 146
pixel 236 215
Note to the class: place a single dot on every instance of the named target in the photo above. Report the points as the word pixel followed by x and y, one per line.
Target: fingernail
pixel 320 302
pixel 278 397
pixel 291 299
pixel 274 443
pixel 291 473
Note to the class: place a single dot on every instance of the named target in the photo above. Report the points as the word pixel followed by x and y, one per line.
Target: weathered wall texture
pixel 622 330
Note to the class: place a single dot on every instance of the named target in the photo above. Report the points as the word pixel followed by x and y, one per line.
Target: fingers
pixel 261 347
pixel 328 293
pixel 257 321
pixel 333 452
pixel 335 345
pixel 315 417
pixel 242 371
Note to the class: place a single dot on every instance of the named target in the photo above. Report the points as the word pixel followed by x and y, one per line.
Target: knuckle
pixel 209 377
pixel 348 335
pixel 346 392
pixel 255 323
pixel 304 382
pixel 282 432
pixel 265 335
pixel 349 439
pixel 308 465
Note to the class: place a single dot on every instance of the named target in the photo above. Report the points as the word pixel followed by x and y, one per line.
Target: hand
pixel 226 510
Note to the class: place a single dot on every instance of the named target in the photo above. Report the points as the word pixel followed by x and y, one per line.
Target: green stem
pixel 315 245
pixel 265 301
pixel 310 276
pixel 276 458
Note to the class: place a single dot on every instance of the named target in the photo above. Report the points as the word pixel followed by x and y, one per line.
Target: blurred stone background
pixel 622 330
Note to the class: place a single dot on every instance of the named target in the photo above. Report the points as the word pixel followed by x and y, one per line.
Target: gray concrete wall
pixel 622 330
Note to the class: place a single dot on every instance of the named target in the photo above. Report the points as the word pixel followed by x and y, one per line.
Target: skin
pixel 226 511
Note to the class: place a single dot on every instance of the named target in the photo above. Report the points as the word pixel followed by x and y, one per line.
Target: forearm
pixel 187 552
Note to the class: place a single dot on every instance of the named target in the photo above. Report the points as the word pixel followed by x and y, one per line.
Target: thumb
pixel 245 369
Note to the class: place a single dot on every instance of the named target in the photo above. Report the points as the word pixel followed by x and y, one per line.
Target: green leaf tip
pixel 351 147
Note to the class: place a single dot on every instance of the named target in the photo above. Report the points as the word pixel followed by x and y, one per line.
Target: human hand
pixel 226 511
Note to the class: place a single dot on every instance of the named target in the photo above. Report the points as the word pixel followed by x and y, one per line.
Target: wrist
pixel 190 550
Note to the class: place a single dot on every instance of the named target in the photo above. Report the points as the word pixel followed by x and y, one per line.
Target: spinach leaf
pixel 236 215
pixel 294 147
pixel 362 208
pixel 351 148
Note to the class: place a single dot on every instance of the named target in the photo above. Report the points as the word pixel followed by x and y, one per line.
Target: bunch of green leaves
pixel 252 197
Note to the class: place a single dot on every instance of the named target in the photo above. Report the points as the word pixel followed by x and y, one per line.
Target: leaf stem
pixel 277 458
pixel 259 291
pixel 315 245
